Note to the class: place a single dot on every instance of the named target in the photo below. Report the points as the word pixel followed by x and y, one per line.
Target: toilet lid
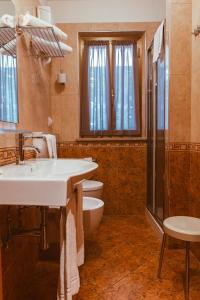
pixel 90 203
pixel 92 185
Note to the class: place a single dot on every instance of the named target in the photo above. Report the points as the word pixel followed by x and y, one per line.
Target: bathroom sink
pixel 41 182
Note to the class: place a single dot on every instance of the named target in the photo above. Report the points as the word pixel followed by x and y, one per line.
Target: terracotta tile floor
pixel 121 264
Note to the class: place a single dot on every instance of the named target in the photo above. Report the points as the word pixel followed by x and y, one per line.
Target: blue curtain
pixel 8 89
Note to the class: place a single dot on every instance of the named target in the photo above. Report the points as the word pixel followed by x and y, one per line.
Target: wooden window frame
pixel 110 37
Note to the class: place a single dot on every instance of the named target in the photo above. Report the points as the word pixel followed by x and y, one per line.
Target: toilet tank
pixel 92 188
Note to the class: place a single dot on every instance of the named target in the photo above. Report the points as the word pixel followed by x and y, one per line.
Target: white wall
pixel 75 11
pixel 6 7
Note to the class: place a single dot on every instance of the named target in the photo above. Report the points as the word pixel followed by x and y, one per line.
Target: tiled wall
pixel 7 156
pixel 122 166
pixel 34 108
pixel 195 95
pixel 179 20
pixel 195 128
pixel 33 90
pixel 122 169
pixel 194 206
pixel 184 182
pixel 66 99
pixel 183 134
pixel 178 133
pixel 178 170
pixel 178 108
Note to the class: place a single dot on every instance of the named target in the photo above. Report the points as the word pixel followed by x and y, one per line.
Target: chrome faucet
pixel 21 148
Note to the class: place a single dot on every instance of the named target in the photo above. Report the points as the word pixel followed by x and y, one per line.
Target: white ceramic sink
pixel 41 182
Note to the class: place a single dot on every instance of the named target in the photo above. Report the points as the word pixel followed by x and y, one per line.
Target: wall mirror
pixel 8 87
pixel 8 73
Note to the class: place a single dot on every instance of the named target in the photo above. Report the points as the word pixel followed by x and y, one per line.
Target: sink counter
pixel 42 182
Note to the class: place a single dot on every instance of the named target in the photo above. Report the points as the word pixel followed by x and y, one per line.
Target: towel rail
pixel 44 41
pixel 8 40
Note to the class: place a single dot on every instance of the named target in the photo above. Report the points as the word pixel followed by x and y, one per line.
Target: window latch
pixel 113 93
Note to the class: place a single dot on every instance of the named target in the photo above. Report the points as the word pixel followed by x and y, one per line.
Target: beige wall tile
pixel 70 117
pixel 70 65
pixel 179 27
pixel 70 112
pixel 180 43
pixel 195 95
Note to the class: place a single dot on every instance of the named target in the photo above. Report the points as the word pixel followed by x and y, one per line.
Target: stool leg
pixel 162 250
pixel 187 270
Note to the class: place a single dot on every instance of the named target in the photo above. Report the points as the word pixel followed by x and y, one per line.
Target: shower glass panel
pixel 156 137
pixel 150 135
pixel 160 141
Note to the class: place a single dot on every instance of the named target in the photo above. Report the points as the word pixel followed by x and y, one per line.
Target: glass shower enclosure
pixel 156 137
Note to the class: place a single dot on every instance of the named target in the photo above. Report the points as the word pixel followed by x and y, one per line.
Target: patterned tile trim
pixel 103 144
pixel 193 147
pixel 178 146
pixel 8 155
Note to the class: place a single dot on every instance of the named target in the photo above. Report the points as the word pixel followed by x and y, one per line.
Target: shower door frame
pixel 150 132
pixel 152 138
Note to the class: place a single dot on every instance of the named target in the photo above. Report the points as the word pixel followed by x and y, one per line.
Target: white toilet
pixel 92 215
pixel 92 188
pixel 93 206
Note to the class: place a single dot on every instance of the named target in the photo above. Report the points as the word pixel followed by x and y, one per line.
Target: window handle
pixel 113 93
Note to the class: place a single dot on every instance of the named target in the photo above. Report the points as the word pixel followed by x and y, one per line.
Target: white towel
pixel 7 20
pixel 45 45
pixel 29 20
pixel 51 145
pixel 71 246
pixel 79 224
pixel 158 42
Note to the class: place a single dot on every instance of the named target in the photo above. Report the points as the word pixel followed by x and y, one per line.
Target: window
pixel 110 88
pixel 8 89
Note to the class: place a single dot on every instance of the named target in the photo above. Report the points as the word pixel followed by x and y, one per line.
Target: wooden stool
pixel 186 229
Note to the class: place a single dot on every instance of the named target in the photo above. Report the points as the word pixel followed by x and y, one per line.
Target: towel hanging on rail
pixel 7 20
pixel 29 20
pixel 158 42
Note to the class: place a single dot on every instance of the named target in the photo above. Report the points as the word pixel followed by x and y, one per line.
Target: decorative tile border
pixel 189 147
pixel 178 146
pixel 8 155
pixel 195 147
pixel 103 144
